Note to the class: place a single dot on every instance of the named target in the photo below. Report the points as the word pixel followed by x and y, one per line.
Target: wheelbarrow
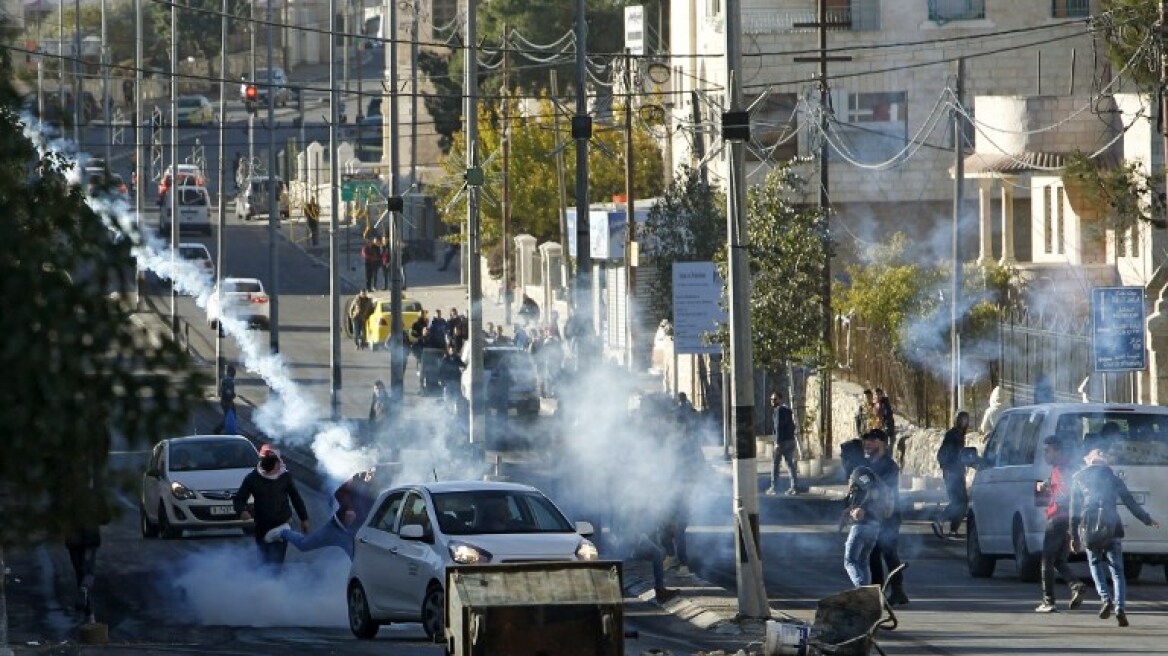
pixel 845 625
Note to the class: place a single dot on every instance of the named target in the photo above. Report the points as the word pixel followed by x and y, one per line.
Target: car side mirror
pixel 414 532
pixel 968 458
pixel 585 529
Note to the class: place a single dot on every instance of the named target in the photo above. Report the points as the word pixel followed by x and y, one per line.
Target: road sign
pixel 1117 328
pixel 354 189
pixel 697 306
pixel 635 29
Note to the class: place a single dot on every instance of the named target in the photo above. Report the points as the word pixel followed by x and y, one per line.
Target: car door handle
pixel 363 540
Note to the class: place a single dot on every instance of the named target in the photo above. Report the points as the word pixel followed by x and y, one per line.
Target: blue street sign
pixel 1117 328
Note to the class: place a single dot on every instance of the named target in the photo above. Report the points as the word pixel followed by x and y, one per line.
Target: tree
pixel 1129 29
pixel 534 201
pixel 445 103
pixel 200 26
pixel 687 225
pixel 786 268
pixel 77 367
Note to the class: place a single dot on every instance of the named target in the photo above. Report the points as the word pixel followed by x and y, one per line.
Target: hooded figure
pixel 271 488
pixel 990 418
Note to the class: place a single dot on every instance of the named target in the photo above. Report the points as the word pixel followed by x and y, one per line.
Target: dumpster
pixel 570 608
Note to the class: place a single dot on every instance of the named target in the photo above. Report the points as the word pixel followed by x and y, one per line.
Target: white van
pixel 194 210
pixel 1007 515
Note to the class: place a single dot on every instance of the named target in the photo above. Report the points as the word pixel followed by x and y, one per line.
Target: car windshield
pixel 203 455
pixel 190 102
pixel 192 253
pixel 242 287
pixel 1129 438
pixel 497 511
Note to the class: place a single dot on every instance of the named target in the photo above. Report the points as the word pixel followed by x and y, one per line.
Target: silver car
pixel 189 484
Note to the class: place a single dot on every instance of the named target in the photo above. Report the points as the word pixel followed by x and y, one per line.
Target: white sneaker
pixel 276 534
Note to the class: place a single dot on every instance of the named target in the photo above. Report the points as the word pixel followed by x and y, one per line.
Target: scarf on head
pixel 274 474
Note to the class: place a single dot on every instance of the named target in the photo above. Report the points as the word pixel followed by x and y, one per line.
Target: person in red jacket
pixel 1056 542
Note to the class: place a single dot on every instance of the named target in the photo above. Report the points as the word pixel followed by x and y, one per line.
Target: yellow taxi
pixel 380 323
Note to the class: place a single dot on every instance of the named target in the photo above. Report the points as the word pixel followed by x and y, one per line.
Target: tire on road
pixel 433 610
pixel 1029 565
pixel 980 565
pixel 361 623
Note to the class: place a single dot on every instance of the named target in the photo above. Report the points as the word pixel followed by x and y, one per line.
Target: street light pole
pixel 397 353
pixel 334 223
pixel 474 256
pixel 273 197
pixel 220 358
pixel 172 187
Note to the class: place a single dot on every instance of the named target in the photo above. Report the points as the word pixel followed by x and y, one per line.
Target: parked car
pixel 524 395
pixel 254 198
pixel 243 299
pixel 377 328
pixel 189 483
pixel 1006 516
pixel 194 209
pixel 415 532
pixel 194 110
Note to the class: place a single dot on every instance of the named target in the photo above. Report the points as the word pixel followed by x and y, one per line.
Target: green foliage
pixel 445 104
pixel 199 29
pixel 786 267
pixel 687 225
pixel 1126 191
pixel 534 189
pixel 1128 28
pixel 77 368
pixel 888 291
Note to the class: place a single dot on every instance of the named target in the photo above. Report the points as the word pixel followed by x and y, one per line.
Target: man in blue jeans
pixel 355 498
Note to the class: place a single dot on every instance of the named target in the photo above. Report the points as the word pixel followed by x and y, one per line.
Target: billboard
pixel 1117 329
pixel 697 306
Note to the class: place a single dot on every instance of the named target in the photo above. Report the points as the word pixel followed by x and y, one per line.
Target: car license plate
pixel 222 510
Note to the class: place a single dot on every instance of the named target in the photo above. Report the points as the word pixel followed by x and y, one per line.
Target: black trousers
pixel 885 553
pixel 958 498
pixel 1056 547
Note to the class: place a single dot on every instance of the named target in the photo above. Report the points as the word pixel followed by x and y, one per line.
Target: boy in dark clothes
pixel 271 487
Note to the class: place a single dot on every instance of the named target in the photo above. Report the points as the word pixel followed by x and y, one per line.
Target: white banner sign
pixel 635 29
pixel 697 306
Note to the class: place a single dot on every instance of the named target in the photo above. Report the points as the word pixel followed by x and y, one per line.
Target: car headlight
pixel 587 551
pixel 465 554
pixel 181 492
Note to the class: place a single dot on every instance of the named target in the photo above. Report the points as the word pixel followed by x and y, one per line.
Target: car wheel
pixel 149 529
pixel 167 531
pixel 1132 569
pixel 433 613
pixel 980 565
pixel 360 621
pixel 1029 565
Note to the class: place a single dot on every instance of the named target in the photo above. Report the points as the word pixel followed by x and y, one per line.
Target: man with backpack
pixel 1055 542
pixel 869 502
pixel 1095 524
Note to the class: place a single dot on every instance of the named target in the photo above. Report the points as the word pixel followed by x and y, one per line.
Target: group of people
pixel 376 254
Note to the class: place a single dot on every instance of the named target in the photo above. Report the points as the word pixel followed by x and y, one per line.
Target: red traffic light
pixel 251 93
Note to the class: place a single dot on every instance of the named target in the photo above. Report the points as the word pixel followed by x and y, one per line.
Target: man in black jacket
pixel 271 488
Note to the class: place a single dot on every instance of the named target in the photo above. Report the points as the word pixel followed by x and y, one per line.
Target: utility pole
pixel 251 79
pixel 105 91
pixel 958 259
pixel 334 223
pixel 397 353
pixel 630 217
pixel 414 96
pixel 506 120
pixel 139 179
pixel 220 356
pixel 752 600
pixel 561 185
pixel 474 180
pixel 78 86
pixel 172 187
pixel 273 198
pixel 825 420
pixel 582 132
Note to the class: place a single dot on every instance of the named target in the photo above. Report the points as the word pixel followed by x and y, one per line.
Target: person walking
pixel 312 218
pixel 371 256
pixel 786 445
pixel 354 499
pixel 886 552
pixel 450 374
pixel 230 423
pixel 238 170
pixel 949 458
pixel 273 491
pixel 378 412
pixel 1095 524
pixel 383 243
pixel 1056 539
pixel 359 313
pixel 865 497
pixel 887 420
pixel 448 255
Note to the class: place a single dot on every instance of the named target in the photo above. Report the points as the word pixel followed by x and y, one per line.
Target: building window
pixel 855 15
pixel 869 127
pixel 1059 223
pixel 1070 8
pixel 943 11
pixel 1047 220
pixel 774 126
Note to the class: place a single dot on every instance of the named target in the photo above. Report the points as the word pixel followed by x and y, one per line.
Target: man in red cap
pixel 271 488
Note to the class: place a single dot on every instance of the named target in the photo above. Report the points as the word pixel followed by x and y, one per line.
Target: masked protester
pixel 354 499
pixel 274 496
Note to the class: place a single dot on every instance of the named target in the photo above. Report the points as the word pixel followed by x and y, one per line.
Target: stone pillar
pixel 985 227
pixel 1157 388
pixel 1007 223
pixel 551 253
pixel 524 251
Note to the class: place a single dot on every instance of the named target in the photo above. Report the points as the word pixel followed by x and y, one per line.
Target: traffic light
pixel 251 97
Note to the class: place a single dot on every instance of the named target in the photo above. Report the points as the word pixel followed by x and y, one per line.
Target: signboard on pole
pixel 697 306
pixel 1117 329
pixel 635 29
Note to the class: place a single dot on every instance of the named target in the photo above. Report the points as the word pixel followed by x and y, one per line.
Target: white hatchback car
pixel 243 299
pixel 401 553
pixel 189 484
